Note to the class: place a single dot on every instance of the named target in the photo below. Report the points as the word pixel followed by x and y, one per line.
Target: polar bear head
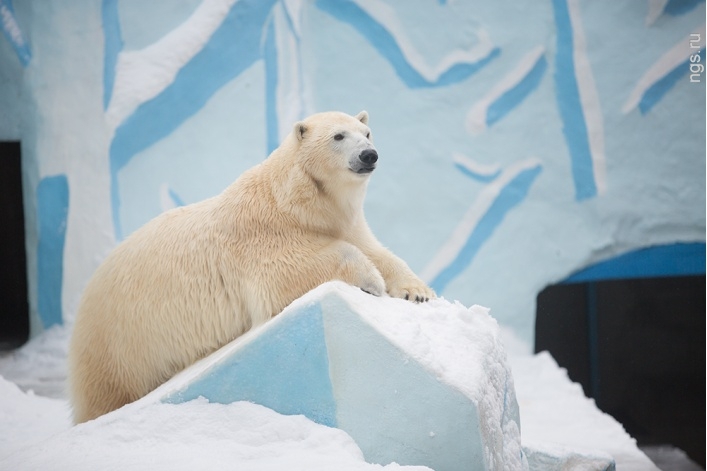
pixel 334 146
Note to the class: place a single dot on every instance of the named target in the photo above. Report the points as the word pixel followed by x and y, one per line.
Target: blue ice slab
pixel 324 358
pixel 393 408
pixel 285 369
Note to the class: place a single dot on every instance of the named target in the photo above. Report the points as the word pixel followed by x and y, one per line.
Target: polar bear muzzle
pixel 366 161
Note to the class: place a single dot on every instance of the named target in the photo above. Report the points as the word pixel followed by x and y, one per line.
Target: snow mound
pixel 196 435
pixel 414 384
pixel 387 381
pixel 562 429
pixel 27 418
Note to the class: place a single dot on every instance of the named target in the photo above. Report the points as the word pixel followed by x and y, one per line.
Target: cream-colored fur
pixel 197 277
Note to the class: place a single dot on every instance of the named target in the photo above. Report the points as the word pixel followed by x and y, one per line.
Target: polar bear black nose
pixel 368 156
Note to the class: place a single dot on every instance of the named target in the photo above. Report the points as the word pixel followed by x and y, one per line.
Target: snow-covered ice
pixel 385 370
pixel 194 435
pixel 36 433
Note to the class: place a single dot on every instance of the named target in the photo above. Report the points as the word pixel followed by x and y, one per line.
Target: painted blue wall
pixel 52 210
pixel 519 143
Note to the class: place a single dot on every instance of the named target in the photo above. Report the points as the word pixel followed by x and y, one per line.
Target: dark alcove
pixel 631 331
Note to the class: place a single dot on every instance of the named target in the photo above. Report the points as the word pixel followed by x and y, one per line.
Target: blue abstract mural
pixel 383 38
pixel 519 143
pixel 233 47
pixel 509 191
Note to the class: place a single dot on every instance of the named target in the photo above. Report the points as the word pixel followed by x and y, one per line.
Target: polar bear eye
pixel 338 137
pixel 368 135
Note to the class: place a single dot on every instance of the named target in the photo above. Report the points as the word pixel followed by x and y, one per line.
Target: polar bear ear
pixel 299 130
pixel 363 117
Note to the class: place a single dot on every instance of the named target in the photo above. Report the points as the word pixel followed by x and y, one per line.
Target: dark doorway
pixel 637 346
pixel 14 309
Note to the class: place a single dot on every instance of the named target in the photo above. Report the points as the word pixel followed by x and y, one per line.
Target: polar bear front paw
pixel 373 284
pixel 414 290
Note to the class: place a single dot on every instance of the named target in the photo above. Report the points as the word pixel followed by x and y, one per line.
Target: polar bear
pixel 196 277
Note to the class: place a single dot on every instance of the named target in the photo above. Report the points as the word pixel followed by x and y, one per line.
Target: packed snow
pixel 195 435
pixel 36 432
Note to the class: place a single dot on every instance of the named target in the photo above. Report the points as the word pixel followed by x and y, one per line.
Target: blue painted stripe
pixel 681 259
pixel 509 197
pixel 290 23
pixel 233 47
pixel 113 44
pixel 574 127
pixel 514 96
pixel 11 29
pixel 52 213
pixel 659 89
pixel 175 197
pixel 384 42
pixel 271 71
pixel 680 7
pixel 477 176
